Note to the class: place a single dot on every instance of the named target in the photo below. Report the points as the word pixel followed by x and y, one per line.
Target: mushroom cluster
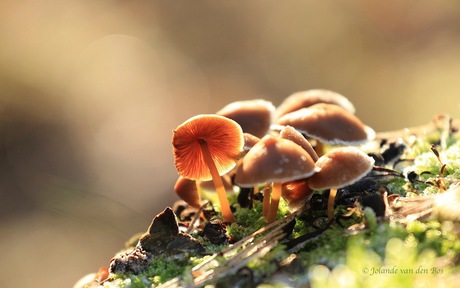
pixel 263 146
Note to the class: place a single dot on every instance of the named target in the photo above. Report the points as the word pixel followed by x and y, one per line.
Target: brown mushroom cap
pixel 340 167
pixel 308 98
pixel 186 190
pixel 295 136
pixel 249 141
pixel 254 116
pixel 329 124
pixel 274 159
pixel 223 137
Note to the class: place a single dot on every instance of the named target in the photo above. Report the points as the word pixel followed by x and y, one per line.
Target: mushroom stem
pixel 217 180
pixel 330 203
pixel 276 194
pixel 266 201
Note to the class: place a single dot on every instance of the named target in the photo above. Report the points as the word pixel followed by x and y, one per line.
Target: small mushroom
pixel 206 147
pixel 340 167
pixel 249 141
pixel 295 136
pixel 274 160
pixel 296 193
pixel 329 124
pixel 187 190
pixel 254 116
pixel 308 98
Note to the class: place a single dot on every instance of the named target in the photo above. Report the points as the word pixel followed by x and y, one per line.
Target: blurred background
pixel 90 92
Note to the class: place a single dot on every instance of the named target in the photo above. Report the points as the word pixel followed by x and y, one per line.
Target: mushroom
pixel 254 116
pixel 340 167
pixel 205 147
pixel 187 190
pixel 296 193
pixel 249 141
pixel 295 136
pixel 274 160
pixel 329 124
pixel 308 98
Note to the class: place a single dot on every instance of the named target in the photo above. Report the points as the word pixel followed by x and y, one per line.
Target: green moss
pixel 301 227
pixel 451 158
pixel 428 167
pixel 247 221
pixel 268 264
pixel 433 235
pixel 162 269
pixel 402 265
pixel 396 185
pixel 327 249
pixel 370 257
pixel 370 218
pixel 250 220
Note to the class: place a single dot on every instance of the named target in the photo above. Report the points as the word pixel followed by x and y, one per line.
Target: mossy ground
pixel 360 250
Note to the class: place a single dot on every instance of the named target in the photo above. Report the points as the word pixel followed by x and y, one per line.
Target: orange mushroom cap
pixel 308 98
pixel 296 193
pixel 254 116
pixel 274 159
pixel 329 124
pixel 223 136
pixel 340 167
